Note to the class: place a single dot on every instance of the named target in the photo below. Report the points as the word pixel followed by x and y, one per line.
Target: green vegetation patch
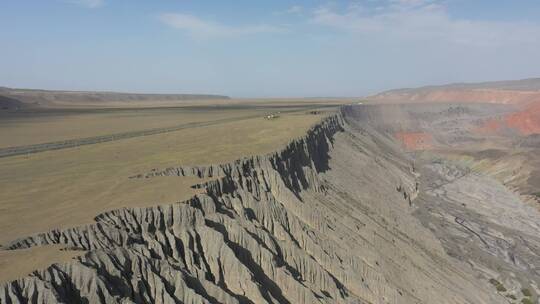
pixel 527 301
pixel 526 292
pixel 498 285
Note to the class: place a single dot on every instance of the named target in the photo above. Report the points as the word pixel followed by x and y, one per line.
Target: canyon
pixel 343 214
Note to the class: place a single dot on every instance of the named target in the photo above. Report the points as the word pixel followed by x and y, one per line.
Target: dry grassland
pixel 36 129
pixel 17 263
pixel 69 187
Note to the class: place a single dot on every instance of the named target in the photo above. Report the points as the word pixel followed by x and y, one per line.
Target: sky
pixel 261 48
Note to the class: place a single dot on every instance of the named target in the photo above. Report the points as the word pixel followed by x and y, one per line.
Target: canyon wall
pixel 326 219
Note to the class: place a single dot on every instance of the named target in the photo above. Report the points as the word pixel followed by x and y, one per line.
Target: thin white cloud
pixel 200 28
pixel 295 9
pixel 407 4
pixel 424 20
pixel 87 3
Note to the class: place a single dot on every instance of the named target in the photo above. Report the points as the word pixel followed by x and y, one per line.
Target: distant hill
pixel 46 98
pixel 530 84
pixel 506 92
pixel 7 103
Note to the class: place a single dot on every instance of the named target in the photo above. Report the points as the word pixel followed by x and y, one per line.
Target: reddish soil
pixel 491 126
pixel 460 95
pixel 526 121
pixel 415 140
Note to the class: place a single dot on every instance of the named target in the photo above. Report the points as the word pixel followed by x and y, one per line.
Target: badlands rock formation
pixel 334 217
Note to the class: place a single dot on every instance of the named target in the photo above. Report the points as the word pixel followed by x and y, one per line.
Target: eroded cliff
pixel 327 219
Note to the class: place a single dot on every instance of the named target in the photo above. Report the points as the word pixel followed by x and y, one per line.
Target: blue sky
pixel 265 48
